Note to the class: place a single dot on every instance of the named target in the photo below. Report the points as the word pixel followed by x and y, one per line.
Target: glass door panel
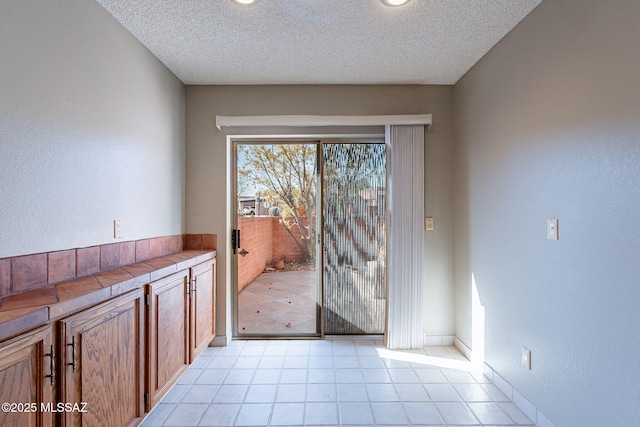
pixel 353 194
pixel 275 246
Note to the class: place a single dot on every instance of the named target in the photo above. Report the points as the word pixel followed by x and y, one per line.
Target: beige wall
pixel 548 126
pixel 206 175
pixel 92 130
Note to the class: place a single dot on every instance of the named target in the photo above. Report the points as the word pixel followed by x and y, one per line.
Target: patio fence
pixel 266 242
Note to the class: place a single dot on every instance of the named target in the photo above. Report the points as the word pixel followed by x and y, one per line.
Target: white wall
pixel 548 126
pixel 206 175
pixel 92 130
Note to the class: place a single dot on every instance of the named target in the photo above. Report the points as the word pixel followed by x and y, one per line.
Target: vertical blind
pixel 406 213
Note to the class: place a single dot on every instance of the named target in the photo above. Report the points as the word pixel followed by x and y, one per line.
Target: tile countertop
pixel 27 310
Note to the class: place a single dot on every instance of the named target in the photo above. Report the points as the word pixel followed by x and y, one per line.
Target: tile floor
pixel 339 382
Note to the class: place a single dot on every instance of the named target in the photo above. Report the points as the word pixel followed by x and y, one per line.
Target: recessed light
pixel 395 2
pixel 244 1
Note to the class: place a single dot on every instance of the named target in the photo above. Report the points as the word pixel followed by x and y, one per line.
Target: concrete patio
pixel 279 303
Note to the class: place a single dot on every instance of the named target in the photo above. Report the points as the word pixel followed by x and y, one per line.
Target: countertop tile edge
pixel 29 318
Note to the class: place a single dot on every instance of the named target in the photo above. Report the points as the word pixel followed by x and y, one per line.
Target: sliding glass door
pixel 354 181
pixel 275 239
pixel 309 238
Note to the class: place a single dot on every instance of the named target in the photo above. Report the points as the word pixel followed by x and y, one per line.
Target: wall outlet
pixel 525 357
pixel 117 228
pixel 552 229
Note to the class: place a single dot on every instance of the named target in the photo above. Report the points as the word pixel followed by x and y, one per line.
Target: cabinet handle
pixel 52 365
pixel 73 353
pixel 192 287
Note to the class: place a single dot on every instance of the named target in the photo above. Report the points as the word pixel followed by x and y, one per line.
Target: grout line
pixel 235 355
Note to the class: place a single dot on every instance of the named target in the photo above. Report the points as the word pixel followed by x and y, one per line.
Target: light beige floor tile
pixel 341 382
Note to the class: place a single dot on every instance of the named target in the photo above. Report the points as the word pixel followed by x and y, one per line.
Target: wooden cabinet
pixel 167 333
pixel 102 362
pixel 27 366
pixel 96 366
pixel 203 308
pixel 180 325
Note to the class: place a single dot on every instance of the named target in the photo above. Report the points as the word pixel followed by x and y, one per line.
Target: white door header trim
pixel 311 120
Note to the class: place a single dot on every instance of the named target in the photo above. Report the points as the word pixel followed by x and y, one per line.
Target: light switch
pixel 552 229
pixel 428 223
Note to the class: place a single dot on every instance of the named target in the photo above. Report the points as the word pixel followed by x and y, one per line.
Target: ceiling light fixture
pixel 395 2
pixel 244 1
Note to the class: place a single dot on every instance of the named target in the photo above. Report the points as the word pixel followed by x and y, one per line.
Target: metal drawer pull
pixel 52 365
pixel 73 353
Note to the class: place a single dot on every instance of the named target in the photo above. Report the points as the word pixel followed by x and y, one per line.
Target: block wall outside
pixel 267 241
pixel 284 246
pixel 256 237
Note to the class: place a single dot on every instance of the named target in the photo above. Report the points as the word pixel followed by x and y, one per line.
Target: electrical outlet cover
pixel 552 229
pixel 525 357
pixel 117 229
pixel 428 223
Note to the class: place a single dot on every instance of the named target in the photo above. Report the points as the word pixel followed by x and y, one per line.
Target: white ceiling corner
pixel 319 41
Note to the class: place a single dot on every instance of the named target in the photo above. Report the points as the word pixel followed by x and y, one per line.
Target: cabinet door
pixel 103 363
pixel 203 307
pixel 167 333
pixel 26 366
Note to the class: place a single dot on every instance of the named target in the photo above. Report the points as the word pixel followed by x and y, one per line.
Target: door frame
pixel 234 142
pixel 232 272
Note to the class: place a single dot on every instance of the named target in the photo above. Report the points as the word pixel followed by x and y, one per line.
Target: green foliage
pixel 285 176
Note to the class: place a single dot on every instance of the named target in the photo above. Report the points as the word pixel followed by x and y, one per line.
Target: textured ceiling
pixel 319 41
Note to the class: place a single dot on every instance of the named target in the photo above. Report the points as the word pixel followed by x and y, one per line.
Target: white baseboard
pixel 507 389
pixel 519 400
pixel 220 341
pixel 432 340
pixel 463 348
